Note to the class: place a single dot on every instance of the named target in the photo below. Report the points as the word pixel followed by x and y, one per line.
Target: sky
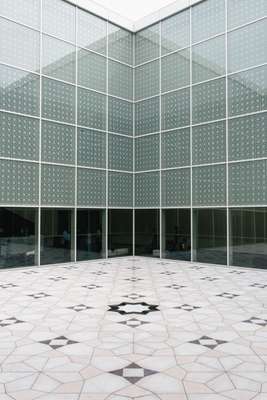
pixel 134 9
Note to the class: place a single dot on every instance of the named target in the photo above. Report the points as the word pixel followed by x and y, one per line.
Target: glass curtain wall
pixel 120 233
pixel 91 234
pixel 18 237
pixel 147 233
pixel 57 236
pixel 176 234
pixel 248 237
pixel 210 236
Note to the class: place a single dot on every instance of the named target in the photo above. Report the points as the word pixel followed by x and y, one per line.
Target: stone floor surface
pixel 133 329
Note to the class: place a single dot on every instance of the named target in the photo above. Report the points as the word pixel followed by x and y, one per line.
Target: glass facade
pixel 97 121
pixel 120 233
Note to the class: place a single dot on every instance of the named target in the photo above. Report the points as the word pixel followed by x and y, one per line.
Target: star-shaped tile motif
pixel 236 272
pixel 175 286
pixel 57 278
pixel 133 372
pixel 208 342
pixel 30 272
pixel 10 321
pixel 79 307
pixel 187 307
pixel 92 286
pixel 259 285
pixel 7 285
pixel 58 342
pixel 133 322
pixel 209 278
pixel 99 273
pixel 167 273
pixel 40 295
pixel 133 296
pixel 133 279
pixel 133 308
pixel 228 295
pixel 256 321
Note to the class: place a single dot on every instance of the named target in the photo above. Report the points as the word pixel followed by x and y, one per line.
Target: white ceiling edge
pixel 124 22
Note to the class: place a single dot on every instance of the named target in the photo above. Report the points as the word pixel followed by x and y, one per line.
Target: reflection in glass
pixel 120 233
pixel 18 241
pixel 56 236
pixel 147 233
pixel 176 240
pixel 90 234
pixel 210 235
pixel 248 237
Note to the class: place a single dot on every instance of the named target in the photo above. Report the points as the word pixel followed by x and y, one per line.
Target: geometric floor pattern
pixel 133 329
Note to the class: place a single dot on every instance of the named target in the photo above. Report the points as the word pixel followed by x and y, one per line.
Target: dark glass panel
pixel 90 234
pixel 176 238
pixel 147 232
pixel 56 236
pixel 18 242
pixel 248 237
pixel 120 233
pixel 210 236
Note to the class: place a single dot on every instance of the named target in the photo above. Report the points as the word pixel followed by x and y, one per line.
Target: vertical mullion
pixel 76 134
pixel 160 166
pixel 226 140
pixel 40 138
pixel 191 136
pixel 107 141
pixel 133 144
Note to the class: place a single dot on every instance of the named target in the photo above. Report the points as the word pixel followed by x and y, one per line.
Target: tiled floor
pixel 133 328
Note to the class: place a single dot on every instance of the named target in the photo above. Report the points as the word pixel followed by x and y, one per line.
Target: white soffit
pixel 133 26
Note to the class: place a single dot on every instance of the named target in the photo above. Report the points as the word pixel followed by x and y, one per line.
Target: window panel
pixel 176 188
pixel 209 185
pixel 19 136
pixel 147 80
pixel 147 192
pixel 92 70
pixel 175 32
pixel 120 116
pixel 91 32
pixel 59 19
pixel 147 44
pixel 175 109
pixel 120 152
pixel 209 143
pixel 208 19
pixel 120 189
pixel 58 59
pixel 175 148
pixel 247 91
pixel 120 44
pixel 58 185
pixel 120 80
pixel 19 46
pixel 19 91
pixel 147 153
pixel 58 101
pixel 91 151
pixel 175 71
pixel 58 143
pixel 147 116
pixel 91 187
pixel 91 109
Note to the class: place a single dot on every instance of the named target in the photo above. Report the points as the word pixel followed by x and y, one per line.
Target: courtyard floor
pixel 133 328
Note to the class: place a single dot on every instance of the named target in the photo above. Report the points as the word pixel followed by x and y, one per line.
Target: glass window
pixel 91 233
pixel 210 236
pixel 18 237
pixel 147 233
pixel 120 233
pixel 248 237
pixel 56 236
pixel 176 238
